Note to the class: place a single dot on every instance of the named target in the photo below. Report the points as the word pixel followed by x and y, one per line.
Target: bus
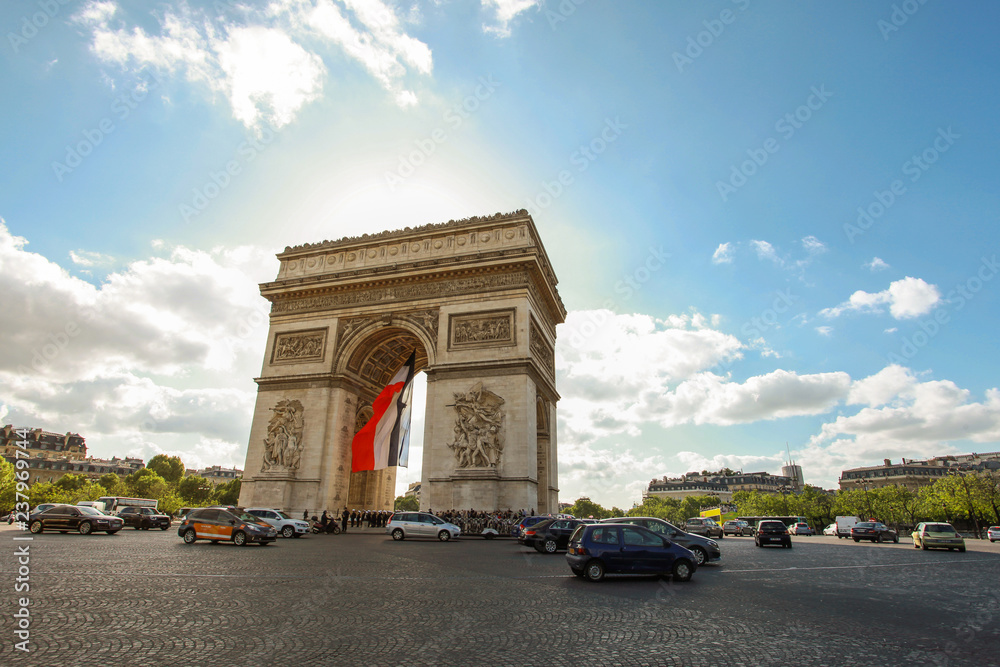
pixel 113 504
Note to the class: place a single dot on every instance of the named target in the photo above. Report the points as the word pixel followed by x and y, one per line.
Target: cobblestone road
pixel 145 598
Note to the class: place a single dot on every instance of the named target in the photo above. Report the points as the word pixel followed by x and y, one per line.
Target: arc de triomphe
pixel 476 299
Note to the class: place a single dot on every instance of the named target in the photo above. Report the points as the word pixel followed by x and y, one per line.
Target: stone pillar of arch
pixel 476 300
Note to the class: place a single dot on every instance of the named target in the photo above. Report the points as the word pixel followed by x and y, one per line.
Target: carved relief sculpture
pixel 482 329
pixel 479 429
pixel 283 444
pixel 299 346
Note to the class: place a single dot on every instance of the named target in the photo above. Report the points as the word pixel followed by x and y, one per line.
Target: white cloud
pixel 504 11
pixel 890 330
pixel 907 298
pixel 824 330
pixel 877 264
pixel 766 251
pixel 90 258
pixel 723 254
pixel 813 245
pixel 258 59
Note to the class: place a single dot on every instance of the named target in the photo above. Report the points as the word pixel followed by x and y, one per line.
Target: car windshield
pixel 282 514
pixel 90 511
pixel 939 528
pixel 865 524
pixel 246 516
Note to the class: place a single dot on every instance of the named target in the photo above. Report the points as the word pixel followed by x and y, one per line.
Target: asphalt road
pixel 145 598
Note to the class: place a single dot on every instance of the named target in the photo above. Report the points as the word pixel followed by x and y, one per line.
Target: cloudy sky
pixel 773 224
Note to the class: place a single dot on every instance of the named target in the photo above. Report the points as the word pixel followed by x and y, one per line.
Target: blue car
pixel 517 530
pixel 618 548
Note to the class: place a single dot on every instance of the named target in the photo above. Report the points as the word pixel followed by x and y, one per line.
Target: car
pixel 706 527
pixel 552 535
pixel 831 530
pixel 45 506
pixel 935 535
pixel 219 525
pixel 402 525
pixel 705 550
pixel 737 527
pixel 144 518
pixel 993 534
pixel 284 524
pixel 800 528
pixel 772 532
pixel 596 549
pixel 844 524
pixel 876 531
pixel 64 518
pixel 517 530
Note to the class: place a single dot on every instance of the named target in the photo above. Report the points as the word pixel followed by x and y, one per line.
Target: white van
pixel 844 525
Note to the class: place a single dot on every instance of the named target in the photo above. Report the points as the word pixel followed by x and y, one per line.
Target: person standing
pixel 305 515
pixel 343 521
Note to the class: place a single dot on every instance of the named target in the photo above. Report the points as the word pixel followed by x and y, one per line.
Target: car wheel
pixel 857 539
pixel 85 528
pixel 682 571
pixel 264 544
pixel 877 540
pixel 594 570
pixel 36 527
pixel 164 527
pixel 397 534
pixel 136 527
pixel 489 536
pixel 444 535
pixel 789 545
pixel 578 573
pixel 190 536
pixel 895 539
pixel 215 541
pixel 63 532
pixel 700 555
pixel 111 532
pixel 288 531
pixel 240 538
pixel 961 550
pixel 294 534
pixel 550 546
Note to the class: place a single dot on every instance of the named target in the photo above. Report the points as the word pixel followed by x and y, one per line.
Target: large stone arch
pixel 476 300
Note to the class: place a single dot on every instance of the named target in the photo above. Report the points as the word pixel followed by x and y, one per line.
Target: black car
pixel 705 550
pixel 65 518
pixel 626 549
pixel 144 518
pixel 218 525
pixel 772 533
pixel 874 531
pixel 551 535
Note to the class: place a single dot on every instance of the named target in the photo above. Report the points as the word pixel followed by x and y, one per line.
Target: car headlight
pixel 713 543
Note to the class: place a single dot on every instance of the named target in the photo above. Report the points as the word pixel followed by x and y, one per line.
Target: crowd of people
pixel 472 522
pixel 352 518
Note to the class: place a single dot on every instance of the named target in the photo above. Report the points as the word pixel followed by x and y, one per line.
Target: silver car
pixel 284 524
pixel 420 524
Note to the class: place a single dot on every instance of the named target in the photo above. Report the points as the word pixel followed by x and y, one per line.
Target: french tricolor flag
pixel 385 440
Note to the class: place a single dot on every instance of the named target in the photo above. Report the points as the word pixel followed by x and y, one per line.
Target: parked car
pixel 517 530
pixel 737 527
pixel 65 518
pixel 844 524
pixel 284 524
pixel 704 549
pixel 993 534
pixel 800 528
pixel 875 531
pixel 552 535
pixel 934 535
pixel 608 548
pixel 420 524
pixel 830 530
pixel 771 532
pixel 706 527
pixel 144 518
pixel 219 525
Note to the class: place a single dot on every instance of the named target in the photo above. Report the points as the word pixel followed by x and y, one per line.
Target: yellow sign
pixel 710 513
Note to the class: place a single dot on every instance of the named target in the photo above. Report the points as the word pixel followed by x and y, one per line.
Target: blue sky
pixel 772 223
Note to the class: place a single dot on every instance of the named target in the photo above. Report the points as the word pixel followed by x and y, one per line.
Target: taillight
pixel 529 532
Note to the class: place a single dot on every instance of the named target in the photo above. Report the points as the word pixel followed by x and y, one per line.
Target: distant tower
pixel 792 471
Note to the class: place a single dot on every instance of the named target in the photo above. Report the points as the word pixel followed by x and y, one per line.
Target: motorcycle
pixel 331 528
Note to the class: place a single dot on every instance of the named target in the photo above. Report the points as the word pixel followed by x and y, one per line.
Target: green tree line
pixel 162 479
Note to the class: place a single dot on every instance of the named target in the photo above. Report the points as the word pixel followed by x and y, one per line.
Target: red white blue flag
pixel 385 440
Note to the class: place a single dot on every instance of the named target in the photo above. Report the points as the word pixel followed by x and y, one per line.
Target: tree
pixel 47 492
pixel 70 482
pixel 146 483
pixel 585 507
pixel 113 484
pixel 170 468
pixel 194 490
pixel 229 492
pixel 406 504
pixel 8 485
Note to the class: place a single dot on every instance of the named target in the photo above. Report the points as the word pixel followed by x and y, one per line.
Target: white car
pixel 284 524
pixel 830 530
pixel 993 534
pixel 800 529
pixel 420 524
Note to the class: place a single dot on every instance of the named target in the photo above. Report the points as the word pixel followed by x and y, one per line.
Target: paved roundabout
pixel 145 598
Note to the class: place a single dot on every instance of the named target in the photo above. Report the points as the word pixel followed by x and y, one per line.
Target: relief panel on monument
pixel 493 328
pixel 479 429
pixel 283 444
pixel 541 351
pixel 296 347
